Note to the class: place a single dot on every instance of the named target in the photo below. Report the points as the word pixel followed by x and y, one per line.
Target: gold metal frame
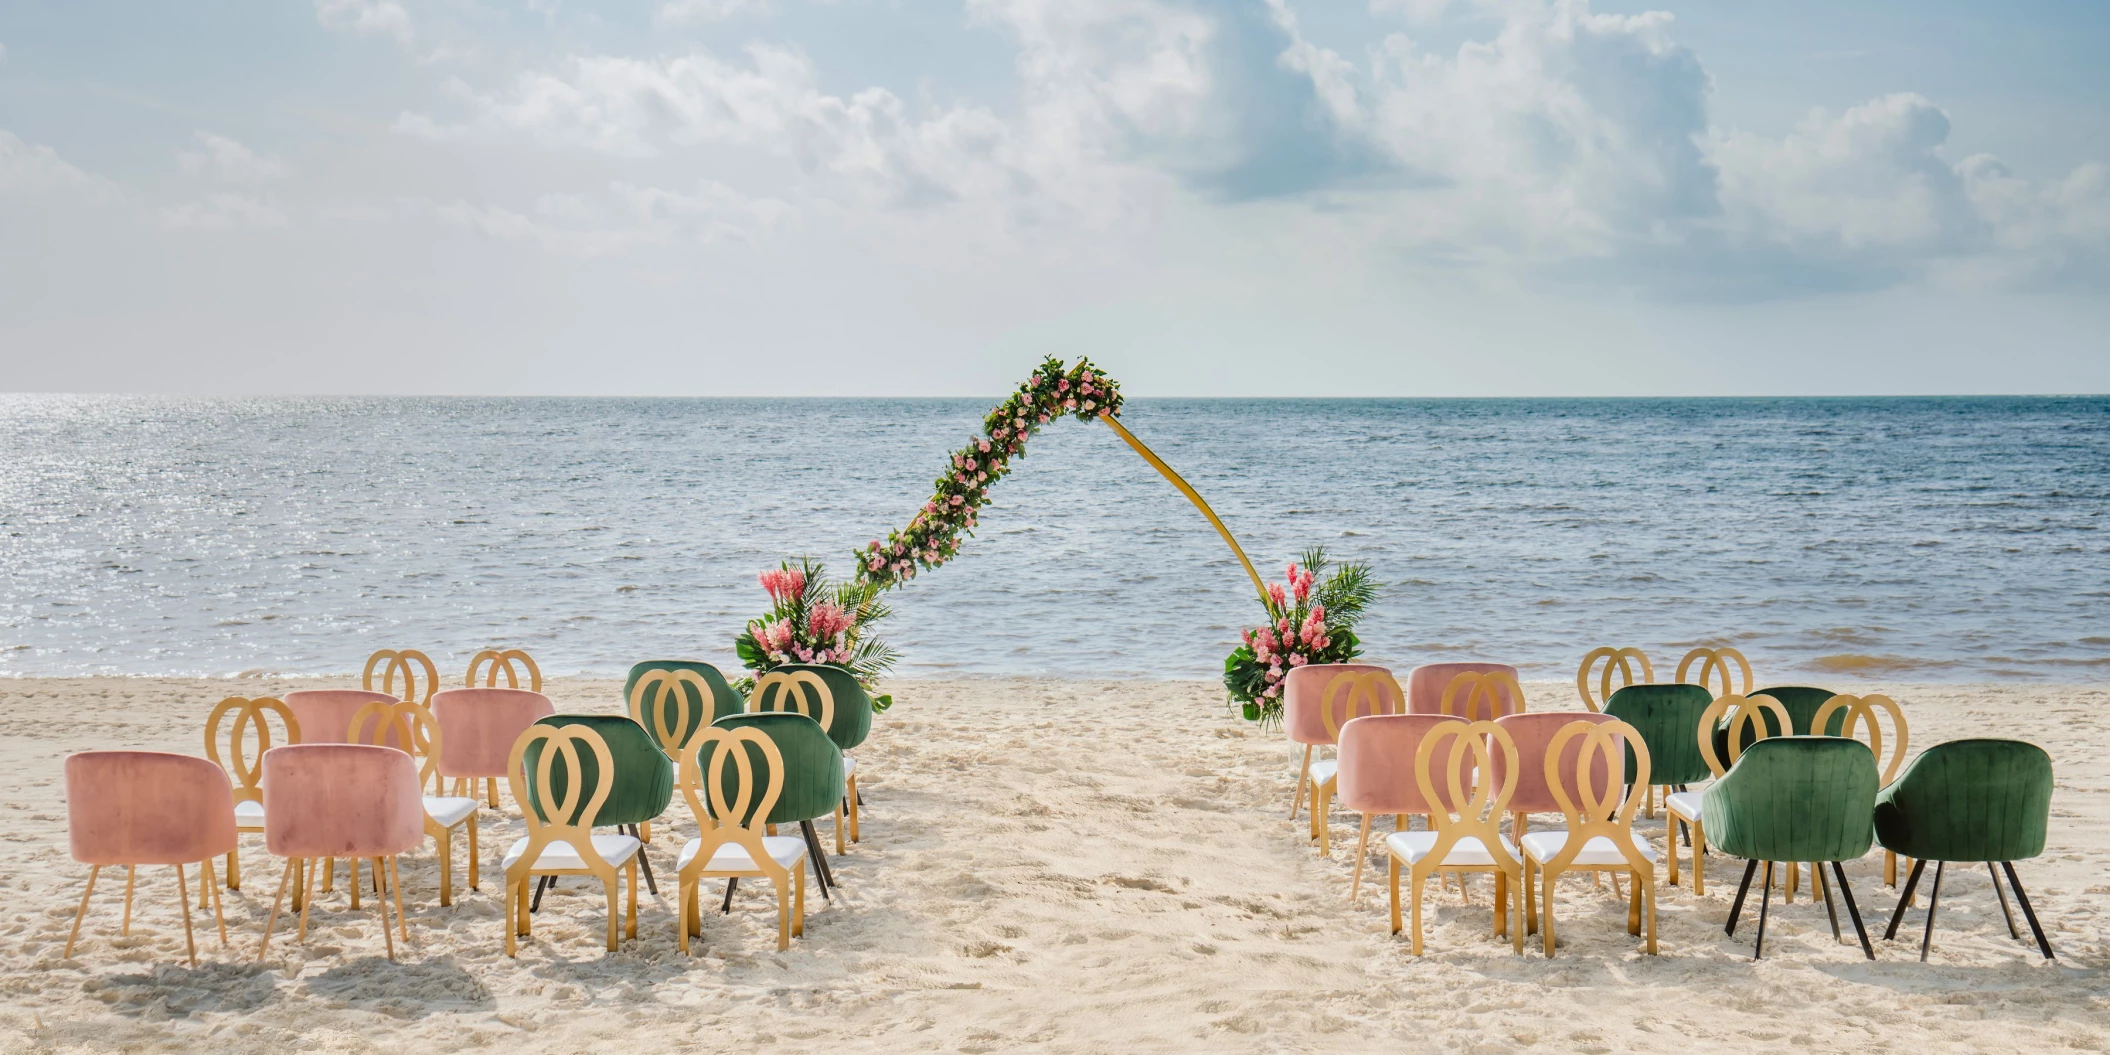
pixel 563 740
pixel 1620 659
pixel 1193 496
pixel 1605 812
pixel 1715 661
pixel 1476 813
pixel 753 803
pixel 412 724
pixel 1480 686
pixel 190 939
pixel 393 662
pixel 1743 715
pixel 503 661
pixel 1376 690
pixel 1861 711
pixel 649 708
pixel 247 771
pixel 791 684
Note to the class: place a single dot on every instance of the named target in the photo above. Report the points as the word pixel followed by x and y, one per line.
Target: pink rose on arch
pixel 1297 660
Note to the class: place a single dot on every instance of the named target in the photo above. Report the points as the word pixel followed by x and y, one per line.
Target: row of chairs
pixel 350 781
pixel 1669 737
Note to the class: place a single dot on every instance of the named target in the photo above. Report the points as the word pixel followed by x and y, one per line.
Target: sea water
pixel 1832 539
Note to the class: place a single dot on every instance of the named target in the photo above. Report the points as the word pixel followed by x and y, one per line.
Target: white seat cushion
pixel 1545 846
pixel 449 810
pixel 849 767
pixel 1323 771
pixel 733 857
pixel 560 855
pixel 1685 804
pixel 1468 852
pixel 248 814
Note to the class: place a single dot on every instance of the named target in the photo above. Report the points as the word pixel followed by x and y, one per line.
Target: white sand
pixel 1046 865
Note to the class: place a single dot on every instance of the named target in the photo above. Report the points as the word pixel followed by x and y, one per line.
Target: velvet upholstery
pixel 813 765
pixel 1304 691
pixel 341 800
pixel 1425 685
pixel 1668 719
pixel 147 808
pixel 1377 762
pixel 478 727
pixel 852 720
pixel 1968 800
pixel 723 699
pixel 1795 798
pixel 644 777
pixel 325 715
pixel 1533 734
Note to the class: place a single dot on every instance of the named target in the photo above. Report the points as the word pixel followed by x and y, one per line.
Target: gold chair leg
pixel 856 829
pixel 1650 908
pixel 1699 857
pixel 1393 868
pixel 1531 898
pixel 472 851
pixel 395 884
pixel 307 897
pixel 218 916
pixel 1303 772
pixel 798 899
pixel 1415 879
pixel 615 913
pixel 630 921
pixel 380 905
pixel 839 833
pixel 125 929
pixel 783 914
pixel 82 913
pixel 1633 903
pixel 190 938
pixel 234 865
pixel 491 786
pixel 351 867
pixel 301 867
pixel 512 925
pixel 1546 912
pixel 1670 844
pixel 444 842
pixel 684 903
pixel 206 881
pixel 1322 816
pixel 271 921
pixel 1362 850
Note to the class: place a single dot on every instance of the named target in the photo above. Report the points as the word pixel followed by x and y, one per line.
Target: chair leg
pixel 491 787
pixel 300 883
pixel 218 916
pixel 1546 910
pixel 395 884
pixel 2028 913
pixel 856 800
pixel 1649 906
pixel 783 915
pixel 1362 850
pixel 1698 835
pixel 234 865
pixel 734 884
pixel 444 843
pixel 798 902
pixel 307 897
pixel 124 930
pixel 821 870
pixel 351 882
pixel 1824 889
pixel 388 935
pixel 190 939
pixel 206 881
pixel 541 883
pixel 630 920
pixel 1933 900
pixel 1736 908
pixel 1531 899
pixel 841 836
pixel 1912 883
pixel 512 940
pixel 272 920
pixel 1853 911
pixel 1417 878
pixel 82 913
pixel 1322 817
pixel 472 851
pixel 1393 863
pixel 1671 823
pixel 684 908
pixel 2005 912
pixel 1765 900
pixel 615 913
pixel 1296 799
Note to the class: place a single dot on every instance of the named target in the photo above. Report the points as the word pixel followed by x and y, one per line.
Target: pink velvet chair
pixel 1532 733
pixel 1377 773
pixel 477 730
pixel 1317 700
pixel 137 808
pixel 341 800
pixel 325 715
pixel 1426 685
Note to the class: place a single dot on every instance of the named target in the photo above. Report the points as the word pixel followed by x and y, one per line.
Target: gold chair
pixel 1861 712
pixel 560 838
pixel 682 695
pixel 1347 695
pixel 245 769
pixel 1621 660
pixel 1600 833
pixel 734 840
pixel 392 663
pixel 503 662
pixel 1486 696
pixel 1744 718
pixel 1714 664
pixel 1467 834
pixel 787 690
pixel 394 725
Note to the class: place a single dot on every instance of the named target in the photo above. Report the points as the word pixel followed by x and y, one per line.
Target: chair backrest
pixel 718 700
pixel 147 808
pixel 1454 769
pixel 794 691
pixel 1802 702
pixel 1592 803
pixel 397 724
pixel 1428 684
pixel 732 779
pixel 1623 661
pixel 643 783
pixel 326 714
pixel 341 800
pixel 414 668
pixel 1533 734
pixel 813 766
pixel 1980 799
pixel 1732 724
pixel 1714 666
pixel 1482 696
pixel 849 719
pixel 672 705
pixel 1377 762
pixel 1318 699
pixel 1670 719
pixel 556 807
pixel 251 719
pixel 1795 798
pixel 504 661
pixel 480 726
pixel 1855 718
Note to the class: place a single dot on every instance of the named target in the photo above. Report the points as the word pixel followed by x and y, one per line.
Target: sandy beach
pixel 1046 865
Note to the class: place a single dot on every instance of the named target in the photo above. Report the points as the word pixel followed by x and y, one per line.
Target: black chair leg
pixel 730 885
pixel 1736 908
pixel 820 859
pixel 643 862
pixel 1846 893
pixel 542 883
pixel 2028 913
pixel 1933 899
pixel 1765 899
pixel 1825 888
pixel 2006 912
pixel 1912 882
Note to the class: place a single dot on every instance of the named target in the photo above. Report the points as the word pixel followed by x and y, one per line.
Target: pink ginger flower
pixel 1274 593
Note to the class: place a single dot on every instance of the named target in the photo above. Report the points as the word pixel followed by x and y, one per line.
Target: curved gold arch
pixel 1193 496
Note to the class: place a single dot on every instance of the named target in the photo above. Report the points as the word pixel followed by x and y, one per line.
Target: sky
pixel 1208 197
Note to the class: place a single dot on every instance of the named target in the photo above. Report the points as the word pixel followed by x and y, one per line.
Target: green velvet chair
pixel 644 780
pixel 1968 800
pixel 723 699
pixel 813 780
pixel 1668 718
pixel 1800 701
pixel 1795 798
pixel 848 721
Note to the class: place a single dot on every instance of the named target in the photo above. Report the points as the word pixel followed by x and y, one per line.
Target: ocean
pixel 1838 539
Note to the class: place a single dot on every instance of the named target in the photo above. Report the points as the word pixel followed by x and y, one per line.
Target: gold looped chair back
pixel 798 691
pixel 246 768
pixel 683 693
pixel 397 725
pixel 1714 667
pixel 1352 695
pixel 1744 719
pixel 1861 724
pixel 1483 697
pixel 420 678
pixel 504 661
pixel 1624 661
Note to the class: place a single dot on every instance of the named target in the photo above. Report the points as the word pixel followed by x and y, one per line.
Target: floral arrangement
pixel 812 620
pixel 932 537
pixel 1309 621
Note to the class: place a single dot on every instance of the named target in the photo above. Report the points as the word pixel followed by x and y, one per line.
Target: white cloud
pixel 32 168
pixel 221 211
pixel 224 159
pixel 683 12
pixel 627 217
pixel 367 18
